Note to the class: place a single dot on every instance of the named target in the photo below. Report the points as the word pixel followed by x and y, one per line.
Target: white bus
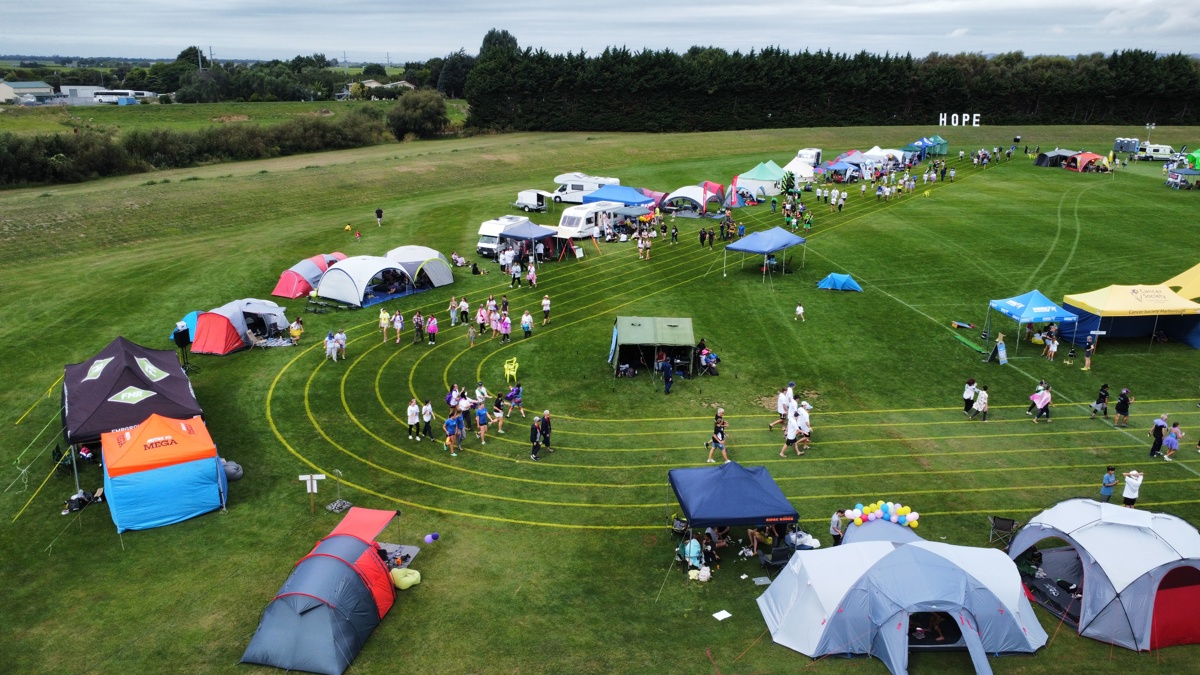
pixel 111 95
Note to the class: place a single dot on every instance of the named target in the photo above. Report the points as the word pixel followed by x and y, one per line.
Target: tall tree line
pixel 709 89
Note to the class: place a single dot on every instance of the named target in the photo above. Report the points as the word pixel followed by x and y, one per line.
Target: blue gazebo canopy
pixel 1033 307
pixel 768 241
pixel 618 193
pixel 730 494
pixel 763 243
pixel 527 231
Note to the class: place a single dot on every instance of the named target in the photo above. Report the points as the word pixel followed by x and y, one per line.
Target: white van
pixel 1148 151
pixel 489 233
pixel 810 155
pixel 573 186
pixel 577 222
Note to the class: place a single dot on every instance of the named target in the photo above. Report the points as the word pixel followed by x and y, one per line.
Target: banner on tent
pixel 958 119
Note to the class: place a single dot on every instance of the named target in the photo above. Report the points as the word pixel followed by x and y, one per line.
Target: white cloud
pixel 368 30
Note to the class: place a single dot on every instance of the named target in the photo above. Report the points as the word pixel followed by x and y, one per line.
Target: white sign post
pixel 310 481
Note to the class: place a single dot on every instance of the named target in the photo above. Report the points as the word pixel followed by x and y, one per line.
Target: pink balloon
pixel 912 517
pixel 895 518
pixel 871 517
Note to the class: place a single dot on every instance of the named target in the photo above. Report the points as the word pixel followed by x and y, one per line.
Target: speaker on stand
pixel 183 340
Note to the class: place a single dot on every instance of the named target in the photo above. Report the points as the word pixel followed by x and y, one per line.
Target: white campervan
pixel 489 233
pixel 1148 151
pixel 577 222
pixel 573 186
pixel 812 156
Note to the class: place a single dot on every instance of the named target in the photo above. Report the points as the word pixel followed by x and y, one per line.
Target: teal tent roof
pixel 839 282
pixel 769 171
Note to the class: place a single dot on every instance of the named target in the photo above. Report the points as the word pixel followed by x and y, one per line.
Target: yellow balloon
pixel 914 523
pixel 858 521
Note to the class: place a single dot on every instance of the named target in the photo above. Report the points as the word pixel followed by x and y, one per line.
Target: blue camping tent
pixel 618 193
pixel 190 320
pixel 839 282
pixel 764 243
pixel 730 494
pixel 1031 307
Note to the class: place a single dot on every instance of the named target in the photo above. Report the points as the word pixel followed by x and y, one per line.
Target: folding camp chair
pixel 780 555
pixel 256 340
pixel 1002 530
pixel 510 369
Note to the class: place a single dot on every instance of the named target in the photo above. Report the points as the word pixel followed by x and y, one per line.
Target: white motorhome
pixel 578 222
pixel 812 156
pixel 1154 151
pixel 573 186
pixel 489 233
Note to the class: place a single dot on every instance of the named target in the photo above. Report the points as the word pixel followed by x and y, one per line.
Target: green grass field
pixel 564 565
pixel 190 117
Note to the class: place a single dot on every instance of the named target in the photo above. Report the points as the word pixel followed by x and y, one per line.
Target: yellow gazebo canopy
pixel 1188 283
pixel 1137 300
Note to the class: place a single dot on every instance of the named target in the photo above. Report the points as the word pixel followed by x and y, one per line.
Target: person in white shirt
pixel 1133 483
pixel 781 407
pixel 805 424
pixel 464 310
pixel 981 404
pixel 414 419
pixel 799 312
pixel 969 392
pixel 427 418
pixel 835 526
pixel 793 431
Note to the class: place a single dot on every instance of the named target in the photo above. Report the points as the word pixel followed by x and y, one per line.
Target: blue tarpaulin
pixel 730 494
pixel 839 282
pixel 618 193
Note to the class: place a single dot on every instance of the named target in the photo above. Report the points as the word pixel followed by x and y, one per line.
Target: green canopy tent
pixel 941 146
pixel 634 336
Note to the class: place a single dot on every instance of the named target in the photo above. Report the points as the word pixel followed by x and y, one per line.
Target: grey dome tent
pixel 418 259
pixel 860 598
pixel 330 603
pixel 1054 158
pixel 1139 572
pixel 880 530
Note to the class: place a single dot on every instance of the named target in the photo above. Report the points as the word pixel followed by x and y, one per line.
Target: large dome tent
pixel 354 279
pixel 1138 601
pixel 418 260
pixel 868 598
pixel 226 329
pixel 331 602
pixel 301 278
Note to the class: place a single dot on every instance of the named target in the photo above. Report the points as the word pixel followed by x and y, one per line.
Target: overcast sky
pixel 367 30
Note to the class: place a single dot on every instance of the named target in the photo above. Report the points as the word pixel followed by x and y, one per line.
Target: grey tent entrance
pixel 636 340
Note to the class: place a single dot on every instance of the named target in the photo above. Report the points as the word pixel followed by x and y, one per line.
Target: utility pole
pixel 388 71
pixel 210 59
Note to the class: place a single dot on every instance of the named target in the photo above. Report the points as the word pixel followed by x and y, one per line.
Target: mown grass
pixel 117 257
pixel 189 117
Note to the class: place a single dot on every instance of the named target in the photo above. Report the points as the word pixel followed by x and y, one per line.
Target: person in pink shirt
pixel 431 329
pixel 1042 401
pixel 505 328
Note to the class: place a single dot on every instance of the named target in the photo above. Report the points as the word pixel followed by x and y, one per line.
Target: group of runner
pixel 793 415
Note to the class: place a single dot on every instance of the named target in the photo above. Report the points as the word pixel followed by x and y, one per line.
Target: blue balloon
pixel 903 520
pixel 429 539
pixel 858 507
pixel 436 536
